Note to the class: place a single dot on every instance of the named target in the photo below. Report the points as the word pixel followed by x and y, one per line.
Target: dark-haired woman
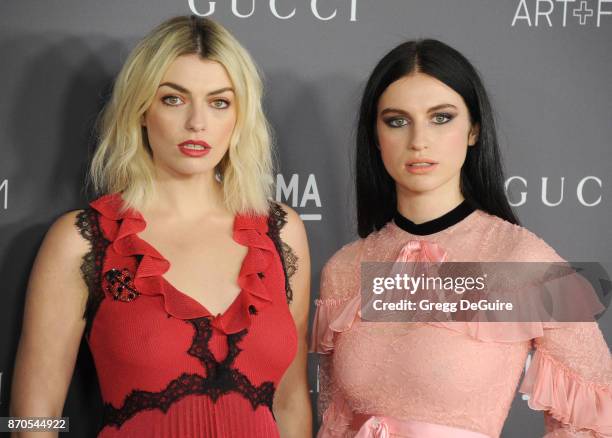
pixel 430 188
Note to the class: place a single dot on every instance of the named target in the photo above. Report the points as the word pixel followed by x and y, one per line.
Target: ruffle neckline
pixel 121 230
pixel 337 316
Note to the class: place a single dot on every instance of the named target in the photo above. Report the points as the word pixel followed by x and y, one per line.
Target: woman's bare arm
pixel 292 407
pixel 53 324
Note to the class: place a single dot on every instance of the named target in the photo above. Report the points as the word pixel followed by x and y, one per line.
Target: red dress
pixel 166 366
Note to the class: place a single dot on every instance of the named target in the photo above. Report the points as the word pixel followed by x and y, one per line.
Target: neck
pixel 423 207
pixel 187 197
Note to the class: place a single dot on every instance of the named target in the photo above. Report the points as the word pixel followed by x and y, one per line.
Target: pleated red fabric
pixel 166 366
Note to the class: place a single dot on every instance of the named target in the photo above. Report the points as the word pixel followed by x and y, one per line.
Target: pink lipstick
pixel 421 165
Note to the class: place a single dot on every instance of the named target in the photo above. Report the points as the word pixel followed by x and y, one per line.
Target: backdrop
pixel 547 65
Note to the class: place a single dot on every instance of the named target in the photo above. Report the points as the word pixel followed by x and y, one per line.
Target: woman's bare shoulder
pixel 66 235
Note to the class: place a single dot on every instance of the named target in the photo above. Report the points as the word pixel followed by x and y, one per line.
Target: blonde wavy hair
pixel 123 161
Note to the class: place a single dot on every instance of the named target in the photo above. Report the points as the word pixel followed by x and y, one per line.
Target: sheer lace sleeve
pixel 336 309
pixel 570 379
pixel 570 376
pixel 324 386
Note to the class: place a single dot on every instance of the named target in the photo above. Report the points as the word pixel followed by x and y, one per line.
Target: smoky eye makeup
pixel 398 121
pixel 395 122
pixel 443 118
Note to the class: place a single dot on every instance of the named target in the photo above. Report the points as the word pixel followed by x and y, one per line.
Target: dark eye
pixel 396 122
pixel 442 118
pixel 220 104
pixel 172 100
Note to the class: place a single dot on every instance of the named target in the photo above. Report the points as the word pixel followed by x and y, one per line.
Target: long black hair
pixel 482 179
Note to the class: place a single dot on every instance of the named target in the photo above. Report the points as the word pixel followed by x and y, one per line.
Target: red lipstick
pixel 194 148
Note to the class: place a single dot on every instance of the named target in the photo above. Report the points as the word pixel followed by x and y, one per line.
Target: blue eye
pixel 172 100
pixel 442 118
pixel 396 122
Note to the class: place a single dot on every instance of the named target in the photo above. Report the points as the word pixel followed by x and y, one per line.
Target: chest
pixel 439 364
pixel 136 345
pixel 205 262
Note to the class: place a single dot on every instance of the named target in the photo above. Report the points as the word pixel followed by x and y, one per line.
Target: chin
pixel 190 170
pixel 421 187
pixel 199 171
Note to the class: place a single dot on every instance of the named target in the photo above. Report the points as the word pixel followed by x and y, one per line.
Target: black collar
pixel 448 219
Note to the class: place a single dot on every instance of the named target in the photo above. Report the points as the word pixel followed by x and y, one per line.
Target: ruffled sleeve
pixel 339 302
pixel 570 379
pixel 337 308
pixel 570 376
pixel 332 317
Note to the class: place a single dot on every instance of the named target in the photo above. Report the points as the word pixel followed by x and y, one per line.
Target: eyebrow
pixel 433 108
pixel 186 91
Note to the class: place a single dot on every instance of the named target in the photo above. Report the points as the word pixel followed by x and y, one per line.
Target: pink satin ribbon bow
pixel 375 427
pixel 421 251
pixel 416 252
pixel 380 426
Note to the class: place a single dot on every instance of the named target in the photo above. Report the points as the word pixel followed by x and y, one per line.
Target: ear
pixel 473 136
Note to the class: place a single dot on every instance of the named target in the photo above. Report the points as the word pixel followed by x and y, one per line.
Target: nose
pixel 418 137
pixel 196 119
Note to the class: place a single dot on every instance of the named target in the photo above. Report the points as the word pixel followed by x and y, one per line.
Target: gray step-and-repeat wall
pixel 546 63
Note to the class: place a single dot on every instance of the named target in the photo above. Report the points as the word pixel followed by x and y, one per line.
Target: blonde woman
pixel 191 287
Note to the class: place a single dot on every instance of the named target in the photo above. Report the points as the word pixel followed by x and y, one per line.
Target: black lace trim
pixel 91 267
pixel 276 221
pixel 220 379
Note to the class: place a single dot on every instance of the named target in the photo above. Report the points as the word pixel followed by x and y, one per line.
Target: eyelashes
pixel 446 116
pixel 173 100
pixel 220 103
pixel 396 122
pixel 400 121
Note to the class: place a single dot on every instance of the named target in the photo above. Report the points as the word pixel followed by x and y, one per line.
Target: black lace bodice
pixel 221 378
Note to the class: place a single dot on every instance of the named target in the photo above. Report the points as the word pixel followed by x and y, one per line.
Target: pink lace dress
pixel 456 379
